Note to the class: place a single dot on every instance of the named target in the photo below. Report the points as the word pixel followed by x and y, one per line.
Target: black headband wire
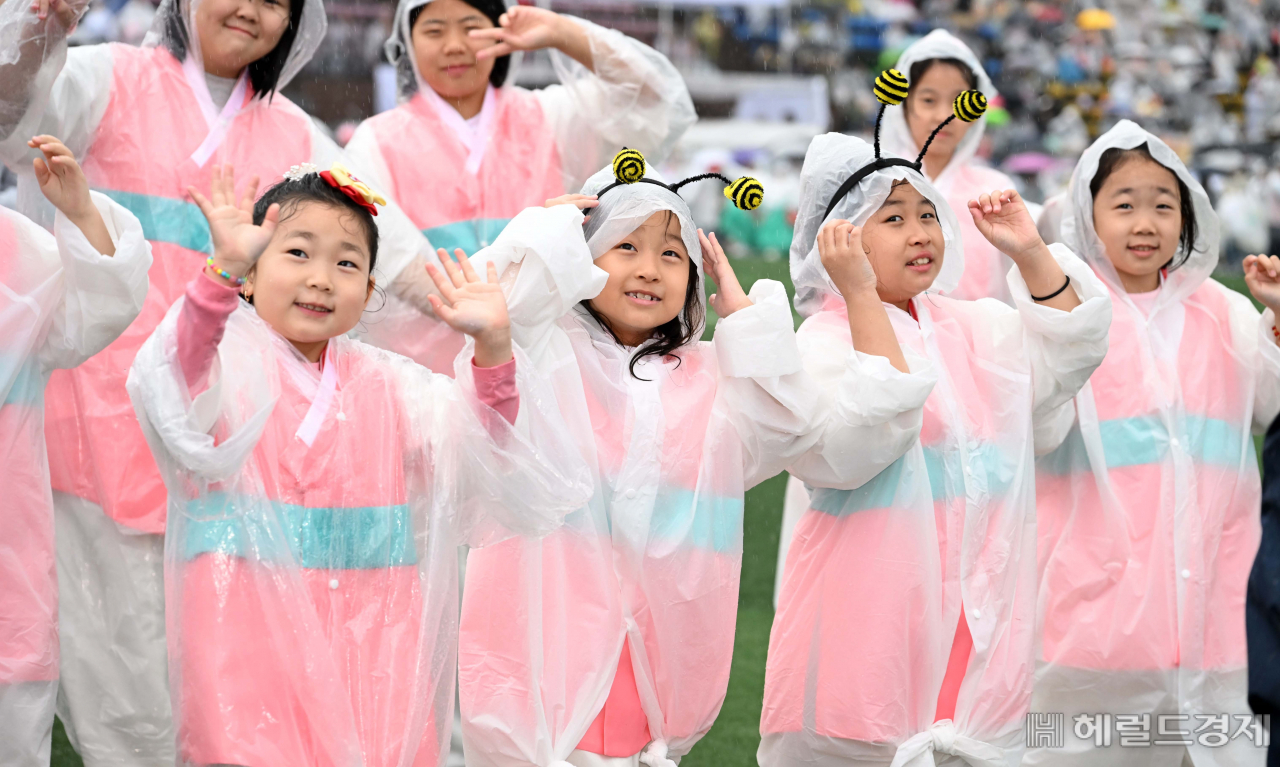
pixel 629 166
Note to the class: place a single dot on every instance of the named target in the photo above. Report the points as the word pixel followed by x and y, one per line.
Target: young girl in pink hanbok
pixel 608 643
pixel 147 122
pixel 63 297
pixel 319 488
pixel 467 150
pixel 1148 512
pixel 905 629
pixel 938 67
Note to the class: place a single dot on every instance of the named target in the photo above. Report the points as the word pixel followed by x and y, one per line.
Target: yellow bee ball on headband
pixel 970 105
pixel 746 193
pixel 891 87
pixel 628 166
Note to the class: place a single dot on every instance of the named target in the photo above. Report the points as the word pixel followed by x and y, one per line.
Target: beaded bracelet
pixel 223 273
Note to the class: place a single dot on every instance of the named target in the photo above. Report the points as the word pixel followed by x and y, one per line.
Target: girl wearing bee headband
pixel 466 150
pixel 319 487
pixel 905 628
pixel 609 642
pixel 1148 512
pixel 938 68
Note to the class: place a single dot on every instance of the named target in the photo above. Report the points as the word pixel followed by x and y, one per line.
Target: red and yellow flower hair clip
pixel 341 179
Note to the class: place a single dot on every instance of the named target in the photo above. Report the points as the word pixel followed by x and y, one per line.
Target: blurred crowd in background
pixel 768 75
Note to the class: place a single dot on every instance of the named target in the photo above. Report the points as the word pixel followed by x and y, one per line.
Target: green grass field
pixel 733 740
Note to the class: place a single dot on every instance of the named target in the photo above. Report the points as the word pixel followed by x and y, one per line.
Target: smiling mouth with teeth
pixel 644 297
pixel 923 261
pixel 314 308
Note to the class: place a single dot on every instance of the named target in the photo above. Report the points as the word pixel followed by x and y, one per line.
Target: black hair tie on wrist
pixel 1055 293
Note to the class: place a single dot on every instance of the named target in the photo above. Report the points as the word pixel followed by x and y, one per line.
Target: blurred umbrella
pixel 1027 162
pixel 1093 19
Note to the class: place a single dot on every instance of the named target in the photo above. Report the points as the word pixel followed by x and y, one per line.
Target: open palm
pixel 466 303
pixel 237 241
pixel 729 296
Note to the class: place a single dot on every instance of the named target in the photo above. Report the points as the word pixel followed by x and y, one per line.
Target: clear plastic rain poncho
pixel 883 561
pixel 145 127
pixel 646 575
pixel 61 301
pixel 1148 512
pixel 461 181
pixel 981 273
pixel 964 178
pixel 314 519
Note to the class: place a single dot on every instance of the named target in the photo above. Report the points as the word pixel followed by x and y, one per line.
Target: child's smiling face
pixel 1138 216
pixel 235 33
pixel 446 53
pixel 648 279
pixel 312 282
pixel 904 244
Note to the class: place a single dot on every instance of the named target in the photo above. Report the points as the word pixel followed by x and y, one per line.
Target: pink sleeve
pixel 496 387
pixel 201 322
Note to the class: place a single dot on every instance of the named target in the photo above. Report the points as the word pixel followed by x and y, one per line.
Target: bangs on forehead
pixel 668 220
pixel 894 197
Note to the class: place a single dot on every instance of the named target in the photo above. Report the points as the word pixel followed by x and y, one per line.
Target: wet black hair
pixel 670 336
pixel 290 193
pixel 919 69
pixel 264 74
pixel 1113 158
pixel 493 9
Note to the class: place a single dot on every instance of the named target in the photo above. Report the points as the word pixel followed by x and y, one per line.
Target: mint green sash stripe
pixel 991 473
pixel 713 522
pixel 878 493
pixel 316 538
pixel 27 387
pixel 164 219
pixel 1144 441
pixel 471 235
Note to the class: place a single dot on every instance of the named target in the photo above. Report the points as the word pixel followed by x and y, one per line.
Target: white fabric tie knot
pixel 944 738
pixel 655 755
